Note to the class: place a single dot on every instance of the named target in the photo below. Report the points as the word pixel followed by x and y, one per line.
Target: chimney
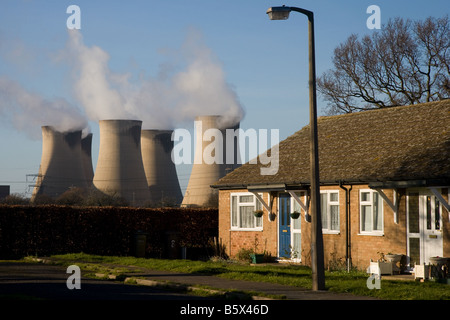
pixel 203 175
pixel 61 163
pixel 160 171
pixel 120 171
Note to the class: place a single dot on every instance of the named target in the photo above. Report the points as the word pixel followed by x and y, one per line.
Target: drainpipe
pixel 348 254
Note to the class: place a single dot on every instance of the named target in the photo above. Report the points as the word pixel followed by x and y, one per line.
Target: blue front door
pixel 284 225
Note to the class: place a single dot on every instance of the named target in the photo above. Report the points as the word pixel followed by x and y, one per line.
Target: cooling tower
pixel 61 163
pixel 119 170
pixel 203 175
pixel 162 179
pixel 86 158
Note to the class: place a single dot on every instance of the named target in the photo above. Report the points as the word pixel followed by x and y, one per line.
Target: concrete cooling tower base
pixel 198 192
pixel 62 166
pixel 162 179
pixel 120 171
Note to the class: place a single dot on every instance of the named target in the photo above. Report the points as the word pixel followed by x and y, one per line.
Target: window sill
pixel 330 232
pixel 374 234
pixel 246 229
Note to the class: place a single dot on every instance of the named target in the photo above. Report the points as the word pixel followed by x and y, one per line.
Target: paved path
pixel 289 292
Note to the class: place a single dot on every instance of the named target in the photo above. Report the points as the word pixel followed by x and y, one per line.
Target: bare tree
pixel 406 62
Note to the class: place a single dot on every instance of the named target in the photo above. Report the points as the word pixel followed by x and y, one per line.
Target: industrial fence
pixel 122 231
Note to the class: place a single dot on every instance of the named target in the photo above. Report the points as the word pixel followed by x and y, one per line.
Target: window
pixel 297 222
pixel 371 212
pixel 296 228
pixel 242 207
pixel 329 205
pixel 433 220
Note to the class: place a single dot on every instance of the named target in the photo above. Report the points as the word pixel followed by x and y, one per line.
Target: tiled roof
pixel 392 144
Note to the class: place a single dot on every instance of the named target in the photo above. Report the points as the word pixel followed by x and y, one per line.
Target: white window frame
pixel 327 230
pixel 256 204
pixel 296 224
pixel 369 202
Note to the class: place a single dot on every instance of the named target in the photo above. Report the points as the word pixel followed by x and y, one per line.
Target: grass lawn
pixel 354 282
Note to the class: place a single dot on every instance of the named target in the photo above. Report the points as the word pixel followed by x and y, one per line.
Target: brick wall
pixel 393 238
pixel 235 240
pixel 363 247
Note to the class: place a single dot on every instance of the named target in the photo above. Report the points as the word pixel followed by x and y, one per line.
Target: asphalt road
pixel 23 281
pixel 40 290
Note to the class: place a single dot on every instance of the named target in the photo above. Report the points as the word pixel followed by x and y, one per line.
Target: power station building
pixel 4 192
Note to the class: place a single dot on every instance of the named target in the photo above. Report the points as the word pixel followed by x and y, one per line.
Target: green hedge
pixel 45 230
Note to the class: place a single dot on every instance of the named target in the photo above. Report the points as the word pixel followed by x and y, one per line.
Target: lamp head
pixel 278 13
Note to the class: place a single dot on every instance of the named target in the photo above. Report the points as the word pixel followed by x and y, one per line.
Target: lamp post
pixel 317 264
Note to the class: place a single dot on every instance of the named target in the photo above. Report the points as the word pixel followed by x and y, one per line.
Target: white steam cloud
pixel 92 80
pixel 29 111
pixel 161 103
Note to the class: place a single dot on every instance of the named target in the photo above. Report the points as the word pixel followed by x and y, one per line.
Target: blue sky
pixel 265 63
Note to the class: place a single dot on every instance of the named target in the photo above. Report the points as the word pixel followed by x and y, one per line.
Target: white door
pixel 424 227
pixel 432 230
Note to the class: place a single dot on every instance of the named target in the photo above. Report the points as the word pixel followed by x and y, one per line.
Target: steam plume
pixel 29 111
pixel 161 103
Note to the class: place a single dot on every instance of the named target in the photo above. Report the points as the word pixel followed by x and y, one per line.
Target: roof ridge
pixel 385 109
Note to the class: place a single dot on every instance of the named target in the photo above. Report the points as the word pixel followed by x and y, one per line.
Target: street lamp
pixel 317 265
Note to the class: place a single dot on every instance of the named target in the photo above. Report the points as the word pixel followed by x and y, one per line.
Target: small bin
pixel 140 242
pixel 173 249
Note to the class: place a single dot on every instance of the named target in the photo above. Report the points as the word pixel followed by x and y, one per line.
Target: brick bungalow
pixel 384 181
